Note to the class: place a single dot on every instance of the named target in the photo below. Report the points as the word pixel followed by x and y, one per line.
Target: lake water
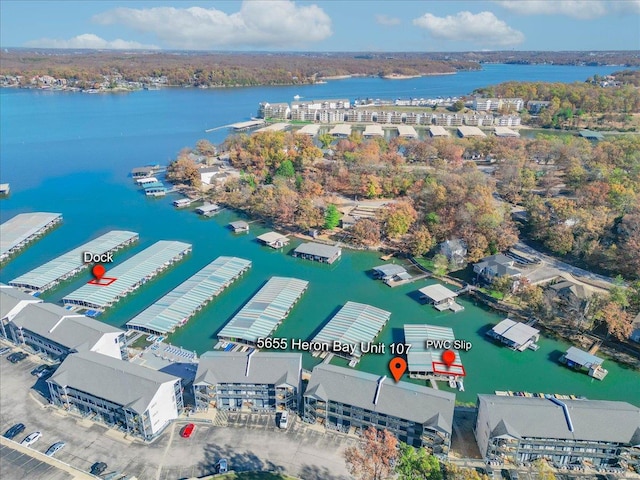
pixel 72 153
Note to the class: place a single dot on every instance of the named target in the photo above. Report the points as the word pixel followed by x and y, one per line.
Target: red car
pixel 187 430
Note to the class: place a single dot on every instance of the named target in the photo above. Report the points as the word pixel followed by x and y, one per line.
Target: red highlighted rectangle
pixel 103 281
pixel 455 369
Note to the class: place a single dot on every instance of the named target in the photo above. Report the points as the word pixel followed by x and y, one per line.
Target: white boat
pixel 297 97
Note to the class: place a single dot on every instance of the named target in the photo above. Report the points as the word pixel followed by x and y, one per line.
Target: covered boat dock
pixel 516 335
pixel 180 304
pixel 318 252
pixel 19 231
pixel 426 362
pixel 441 297
pixel 65 266
pixel 128 276
pixel 264 312
pixel 355 324
pixel 581 360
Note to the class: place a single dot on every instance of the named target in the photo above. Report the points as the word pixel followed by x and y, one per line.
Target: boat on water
pixel 297 97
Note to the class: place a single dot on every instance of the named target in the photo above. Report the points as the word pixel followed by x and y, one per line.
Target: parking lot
pixel 249 442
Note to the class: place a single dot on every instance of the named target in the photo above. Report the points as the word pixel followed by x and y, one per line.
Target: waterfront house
pixel 512 431
pixel 347 400
pixel 496 266
pixel 256 381
pixel 273 239
pixel 318 252
pixel 239 226
pixel 581 360
pixel 139 400
pixel 567 296
pixel 455 250
pixel 347 221
pixel 57 332
pixel 207 174
pixel 517 336
pixel 440 297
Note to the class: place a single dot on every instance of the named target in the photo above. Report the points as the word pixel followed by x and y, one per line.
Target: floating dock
pixel 50 274
pixel 426 362
pixel 244 126
pixel 261 315
pixel 24 228
pixel 180 304
pixel 129 275
pixel 355 324
pixel 5 188
pixel 310 130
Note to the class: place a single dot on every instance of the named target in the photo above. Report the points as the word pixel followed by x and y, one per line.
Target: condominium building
pixel 12 301
pixel 136 399
pixel 344 399
pixel 254 381
pixel 596 433
pixel 56 332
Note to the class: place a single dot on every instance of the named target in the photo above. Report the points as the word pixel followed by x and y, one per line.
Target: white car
pixel 284 420
pixel 31 439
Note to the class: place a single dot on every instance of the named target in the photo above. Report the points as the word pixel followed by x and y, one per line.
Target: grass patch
pixel 140 343
pixel 429 265
pixel 493 293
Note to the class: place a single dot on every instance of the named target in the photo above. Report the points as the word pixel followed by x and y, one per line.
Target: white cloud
pixel 89 40
pixel 626 6
pixel 483 28
pixel 387 21
pixel 262 24
pixel 580 9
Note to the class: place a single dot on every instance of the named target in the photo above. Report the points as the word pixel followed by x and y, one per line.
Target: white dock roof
pixel 341 130
pixel 407 131
pixel 421 359
pixel 129 275
pixel 438 131
pixel 354 323
pixel 261 315
pixel 505 132
pixel 274 127
pixel 518 333
pixel 47 275
pixel 437 292
pixel 311 130
pixel 373 130
pixel 187 298
pixel 467 131
pixel 22 227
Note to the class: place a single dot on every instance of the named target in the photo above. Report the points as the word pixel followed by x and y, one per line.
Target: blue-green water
pixel 71 153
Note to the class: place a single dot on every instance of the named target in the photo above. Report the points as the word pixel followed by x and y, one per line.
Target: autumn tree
pixel 373 458
pixel 454 472
pixel 331 217
pixel 420 242
pixel 205 147
pixel 397 218
pixel 545 472
pixel 417 464
pixel 325 139
pixel 366 232
pixel 616 319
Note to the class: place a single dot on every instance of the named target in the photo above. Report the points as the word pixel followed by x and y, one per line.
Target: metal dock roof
pixel 24 227
pixel 420 359
pixel 263 313
pixel 353 324
pixel 129 275
pixel 71 263
pixel 181 303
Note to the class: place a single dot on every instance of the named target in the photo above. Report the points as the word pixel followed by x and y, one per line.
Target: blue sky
pixel 330 25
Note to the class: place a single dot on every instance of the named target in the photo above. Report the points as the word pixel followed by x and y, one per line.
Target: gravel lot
pixel 249 442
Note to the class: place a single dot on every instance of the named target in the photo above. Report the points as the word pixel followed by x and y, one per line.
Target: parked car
pixel 222 466
pixel 4 350
pixel 187 430
pixel 40 370
pixel 14 431
pixel 17 357
pixel 98 468
pixel 284 420
pixel 53 449
pixel 31 439
pixel 513 474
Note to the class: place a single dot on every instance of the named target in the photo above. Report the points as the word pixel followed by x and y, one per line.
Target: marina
pixel 264 312
pixel 129 275
pixel 70 264
pixel 178 306
pixel 356 324
pixel 24 228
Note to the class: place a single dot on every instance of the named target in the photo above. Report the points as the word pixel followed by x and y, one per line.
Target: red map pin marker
pixel 98 271
pixel 448 357
pixel 397 366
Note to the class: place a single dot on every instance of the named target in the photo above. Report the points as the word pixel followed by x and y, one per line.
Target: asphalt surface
pixel 247 441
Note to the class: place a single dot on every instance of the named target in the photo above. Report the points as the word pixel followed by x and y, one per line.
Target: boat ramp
pixel 128 276
pixel 50 274
pixel 24 228
pixel 180 304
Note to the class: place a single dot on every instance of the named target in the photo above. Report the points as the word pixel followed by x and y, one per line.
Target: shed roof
pixel 318 249
pixel 423 405
pixel 437 292
pixel 123 383
pixel 595 420
pixel 517 332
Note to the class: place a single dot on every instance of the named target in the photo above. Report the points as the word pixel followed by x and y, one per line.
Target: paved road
pixel 250 442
